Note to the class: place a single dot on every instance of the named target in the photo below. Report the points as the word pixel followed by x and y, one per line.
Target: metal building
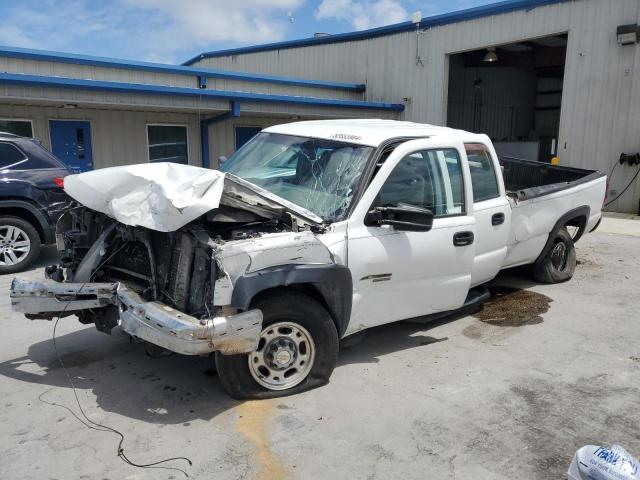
pixel 544 78
pixel 98 112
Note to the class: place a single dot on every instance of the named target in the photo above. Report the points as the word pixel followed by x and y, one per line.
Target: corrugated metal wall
pixel 66 70
pixel 601 98
pixel 119 137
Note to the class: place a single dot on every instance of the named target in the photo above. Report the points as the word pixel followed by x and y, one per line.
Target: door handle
pixel 497 219
pixel 460 239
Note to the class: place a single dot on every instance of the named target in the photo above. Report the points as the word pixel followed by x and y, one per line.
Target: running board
pixel 476 297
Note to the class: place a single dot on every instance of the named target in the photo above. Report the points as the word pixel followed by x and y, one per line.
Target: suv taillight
pixel 59 181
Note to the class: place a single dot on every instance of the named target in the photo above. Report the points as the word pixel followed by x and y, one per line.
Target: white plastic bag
pixel 593 462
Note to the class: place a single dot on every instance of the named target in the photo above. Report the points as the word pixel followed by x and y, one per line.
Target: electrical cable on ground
pixel 86 421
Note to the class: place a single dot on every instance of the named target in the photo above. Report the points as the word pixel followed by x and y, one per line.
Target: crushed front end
pixel 157 286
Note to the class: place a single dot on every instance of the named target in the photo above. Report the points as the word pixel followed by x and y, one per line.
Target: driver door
pixel 403 274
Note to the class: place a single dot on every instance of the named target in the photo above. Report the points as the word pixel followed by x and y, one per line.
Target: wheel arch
pixel 577 217
pixel 330 285
pixel 28 212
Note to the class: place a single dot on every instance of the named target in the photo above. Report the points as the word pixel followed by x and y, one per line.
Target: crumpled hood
pixel 159 196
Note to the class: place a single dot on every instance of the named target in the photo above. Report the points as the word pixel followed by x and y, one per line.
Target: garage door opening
pixel 512 93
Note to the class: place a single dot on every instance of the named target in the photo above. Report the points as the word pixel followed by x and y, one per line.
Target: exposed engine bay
pixel 175 268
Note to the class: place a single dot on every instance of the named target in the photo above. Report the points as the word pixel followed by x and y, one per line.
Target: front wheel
pixel 297 351
pixel 560 262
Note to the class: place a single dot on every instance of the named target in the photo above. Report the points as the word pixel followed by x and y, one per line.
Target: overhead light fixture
pixel 70 105
pixel 628 34
pixel 491 55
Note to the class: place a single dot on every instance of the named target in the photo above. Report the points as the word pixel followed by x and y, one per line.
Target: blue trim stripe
pixel 43 55
pixel 121 87
pixel 505 6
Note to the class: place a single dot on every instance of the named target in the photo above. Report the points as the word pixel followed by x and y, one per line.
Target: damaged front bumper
pixel 152 321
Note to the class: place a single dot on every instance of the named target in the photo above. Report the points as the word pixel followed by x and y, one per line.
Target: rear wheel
pixel 297 351
pixel 560 262
pixel 19 244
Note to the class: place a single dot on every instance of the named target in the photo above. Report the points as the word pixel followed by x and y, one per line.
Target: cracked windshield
pixel 319 175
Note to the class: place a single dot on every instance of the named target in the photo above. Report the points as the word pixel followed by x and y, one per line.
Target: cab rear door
pixel 492 212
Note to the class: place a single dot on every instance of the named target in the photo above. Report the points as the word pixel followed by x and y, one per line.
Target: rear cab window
pixel 484 179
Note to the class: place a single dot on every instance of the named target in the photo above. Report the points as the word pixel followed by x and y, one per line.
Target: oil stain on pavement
pixel 513 307
pixel 507 307
pixel 254 417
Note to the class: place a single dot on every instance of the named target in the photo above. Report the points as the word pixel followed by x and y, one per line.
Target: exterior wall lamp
pixel 628 34
pixel 491 55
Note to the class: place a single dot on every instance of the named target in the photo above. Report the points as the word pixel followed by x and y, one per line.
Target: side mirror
pixel 221 159
pixel 401 217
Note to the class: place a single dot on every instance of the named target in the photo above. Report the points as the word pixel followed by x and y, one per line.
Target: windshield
pixel 319 175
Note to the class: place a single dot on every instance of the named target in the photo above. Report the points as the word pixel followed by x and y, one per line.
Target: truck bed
pixel 527 179
pixel 543 196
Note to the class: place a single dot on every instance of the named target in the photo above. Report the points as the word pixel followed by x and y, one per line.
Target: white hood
pixel 159 196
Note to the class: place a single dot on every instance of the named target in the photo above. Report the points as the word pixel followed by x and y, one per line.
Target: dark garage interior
pixel 512 93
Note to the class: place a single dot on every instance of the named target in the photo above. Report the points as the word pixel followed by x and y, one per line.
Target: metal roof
pixel 146 89
pixel 497 8
pixel 71 58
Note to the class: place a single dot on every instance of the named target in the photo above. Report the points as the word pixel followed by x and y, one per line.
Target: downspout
pixel 234 112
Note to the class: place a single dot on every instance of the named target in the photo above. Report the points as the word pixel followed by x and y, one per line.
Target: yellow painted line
pixel 254 417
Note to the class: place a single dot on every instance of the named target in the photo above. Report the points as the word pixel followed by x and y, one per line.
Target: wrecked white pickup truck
pixel 313 231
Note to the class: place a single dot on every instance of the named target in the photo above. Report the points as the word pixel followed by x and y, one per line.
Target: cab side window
pixel 483 174
pixel 429 179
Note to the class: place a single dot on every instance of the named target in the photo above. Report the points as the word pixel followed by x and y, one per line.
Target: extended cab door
pixel 491 209
pixel 402 274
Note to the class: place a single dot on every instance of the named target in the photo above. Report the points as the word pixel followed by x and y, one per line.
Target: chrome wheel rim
pixel 284 356
pixel 14 245
pixel 559 256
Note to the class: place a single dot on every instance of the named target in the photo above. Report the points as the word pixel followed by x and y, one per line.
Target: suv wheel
pixel 19 244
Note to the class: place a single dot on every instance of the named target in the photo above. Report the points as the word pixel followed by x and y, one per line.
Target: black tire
pixel 560 262
pixel 292 307
pixel 24 261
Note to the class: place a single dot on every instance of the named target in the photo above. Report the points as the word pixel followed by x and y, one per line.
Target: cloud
pixel 362 14
pixel 231 21
pixel 155 30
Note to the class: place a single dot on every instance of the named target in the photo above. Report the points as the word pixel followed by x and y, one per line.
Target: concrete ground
pixel 507 394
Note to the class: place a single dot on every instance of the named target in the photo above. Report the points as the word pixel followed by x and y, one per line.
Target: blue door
pixel 71 143
pixel 244 134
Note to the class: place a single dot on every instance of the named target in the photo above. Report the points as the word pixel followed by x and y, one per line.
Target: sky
pixel 172 31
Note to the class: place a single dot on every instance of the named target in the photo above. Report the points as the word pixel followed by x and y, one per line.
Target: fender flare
pixel 47 229
pixel 333 282
pixel 583 211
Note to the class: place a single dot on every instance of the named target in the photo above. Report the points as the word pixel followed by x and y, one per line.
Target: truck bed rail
pixel 526 179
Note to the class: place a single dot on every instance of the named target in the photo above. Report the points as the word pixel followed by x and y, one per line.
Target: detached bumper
pixel 154 322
